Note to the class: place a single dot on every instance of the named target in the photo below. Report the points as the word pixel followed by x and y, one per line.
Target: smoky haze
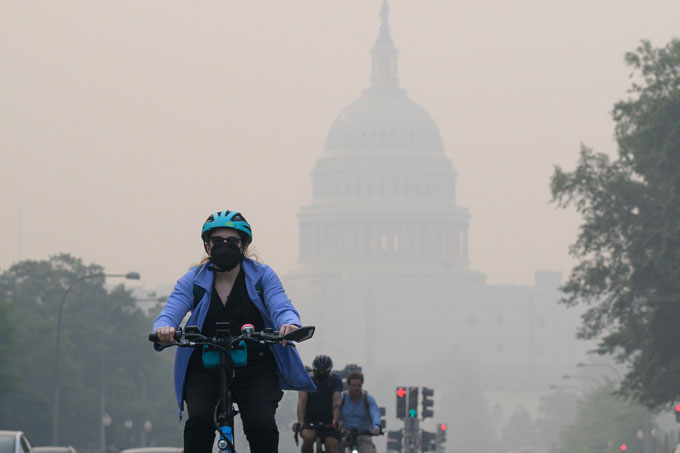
pixel 125 124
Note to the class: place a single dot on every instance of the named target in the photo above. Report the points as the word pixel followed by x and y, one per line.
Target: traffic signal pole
pixel 412 439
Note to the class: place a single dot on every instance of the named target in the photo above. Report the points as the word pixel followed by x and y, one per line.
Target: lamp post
pixel 641 437
pixel 567 387
pixel 606 365
pixel 128 423
pixel 56 391
pixel 147 428
pixel 588 378
pixel 106 421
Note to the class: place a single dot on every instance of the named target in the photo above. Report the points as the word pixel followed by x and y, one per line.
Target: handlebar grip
pixel 153 337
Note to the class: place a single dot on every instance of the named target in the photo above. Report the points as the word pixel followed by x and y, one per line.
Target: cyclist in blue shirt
pixel 229 287
pixel 359 413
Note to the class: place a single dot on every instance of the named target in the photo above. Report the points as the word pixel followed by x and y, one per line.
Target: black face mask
pixel 226 256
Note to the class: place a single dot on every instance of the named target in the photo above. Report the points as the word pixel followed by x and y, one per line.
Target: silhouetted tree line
pixel 104 350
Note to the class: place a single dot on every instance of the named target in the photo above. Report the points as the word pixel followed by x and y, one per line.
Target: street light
pixel 128 426
pixel 589 378
pixel 606 365
pixel 567 387
pixel 106 422
pixel 147 428
pixel 57 389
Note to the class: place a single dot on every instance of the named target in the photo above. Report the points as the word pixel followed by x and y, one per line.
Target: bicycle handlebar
pixel 190 337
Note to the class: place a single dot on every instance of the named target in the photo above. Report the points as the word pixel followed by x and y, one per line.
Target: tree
pixel 104 352
pixel 604 422
pixel 628 247
pixel 519 432
pixel 8 376
pixel 556 411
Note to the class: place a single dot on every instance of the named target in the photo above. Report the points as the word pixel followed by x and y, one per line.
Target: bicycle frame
pixel 224 342
pixel 349 440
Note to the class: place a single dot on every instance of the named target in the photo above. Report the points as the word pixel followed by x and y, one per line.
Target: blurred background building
pixel 383 264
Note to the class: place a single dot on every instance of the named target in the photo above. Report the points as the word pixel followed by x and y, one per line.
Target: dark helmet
pixel 227 219
pixel 322 363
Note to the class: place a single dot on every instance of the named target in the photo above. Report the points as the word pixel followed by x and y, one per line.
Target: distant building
pixel 383 262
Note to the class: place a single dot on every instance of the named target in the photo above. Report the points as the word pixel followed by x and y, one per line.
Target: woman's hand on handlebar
pixel 286 329
pixel 165 335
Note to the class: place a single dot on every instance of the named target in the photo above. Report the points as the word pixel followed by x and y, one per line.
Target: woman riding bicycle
pixel 229 287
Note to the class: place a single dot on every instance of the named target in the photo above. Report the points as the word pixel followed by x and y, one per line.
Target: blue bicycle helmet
pixel 227 219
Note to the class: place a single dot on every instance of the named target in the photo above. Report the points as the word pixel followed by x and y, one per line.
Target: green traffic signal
pixel 413 413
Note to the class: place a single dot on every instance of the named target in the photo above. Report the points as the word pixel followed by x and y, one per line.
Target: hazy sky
pixel 124 124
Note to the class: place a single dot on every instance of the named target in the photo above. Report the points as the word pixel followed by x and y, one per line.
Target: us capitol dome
pixel 384 190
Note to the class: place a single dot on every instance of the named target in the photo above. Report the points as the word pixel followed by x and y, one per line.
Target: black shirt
pixel 237 311
pixel 319 407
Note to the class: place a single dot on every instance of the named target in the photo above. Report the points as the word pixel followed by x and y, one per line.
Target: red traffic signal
pixel 624 447
pixel 401 392
pixel 442 426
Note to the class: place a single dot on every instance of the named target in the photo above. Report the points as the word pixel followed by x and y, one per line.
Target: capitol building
pixel 384 274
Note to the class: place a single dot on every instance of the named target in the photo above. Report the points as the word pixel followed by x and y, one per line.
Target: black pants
pixel 256 391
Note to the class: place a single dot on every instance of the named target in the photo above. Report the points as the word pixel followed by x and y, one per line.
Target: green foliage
pixel 557 410
pixel 8 377
pixel 628 248
pixel 604 422
pixel 519 433
pixel 103 351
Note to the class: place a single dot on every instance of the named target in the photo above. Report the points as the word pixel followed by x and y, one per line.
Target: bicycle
pixel 321 430
pixel 349 440
pixel 223 350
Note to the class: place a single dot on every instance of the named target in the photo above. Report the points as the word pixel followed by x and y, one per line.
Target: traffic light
pixel 428 441
pixel 401 402
pixel 394 440
pixel 677 413
pixel 441 434
pixel 413 402
pixel 623 447
pixel 427 403
pixel 383 423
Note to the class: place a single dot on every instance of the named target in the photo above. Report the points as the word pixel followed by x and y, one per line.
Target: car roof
pixel 54 449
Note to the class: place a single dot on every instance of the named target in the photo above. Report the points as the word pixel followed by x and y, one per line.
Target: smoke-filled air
pixel 343 226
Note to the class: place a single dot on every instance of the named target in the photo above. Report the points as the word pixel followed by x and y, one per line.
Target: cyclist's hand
pixel 375 431
pixel 286 329
pixel 296 427
pixel 165 335
pixel 338 425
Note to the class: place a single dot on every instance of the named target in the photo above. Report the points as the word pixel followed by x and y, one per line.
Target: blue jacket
pixel 276 310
